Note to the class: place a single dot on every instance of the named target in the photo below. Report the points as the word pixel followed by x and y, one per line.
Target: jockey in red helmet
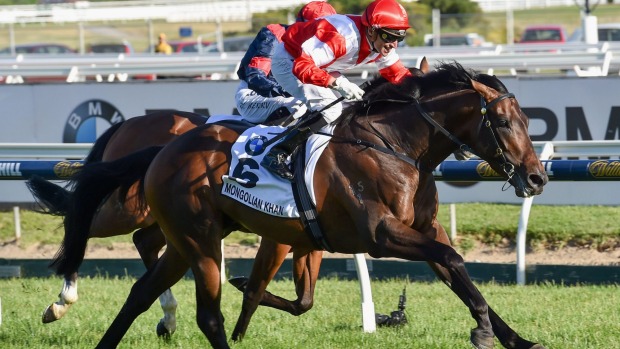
pixel 387 20
pixel 259 97
pixel 308 64
pixel 314 10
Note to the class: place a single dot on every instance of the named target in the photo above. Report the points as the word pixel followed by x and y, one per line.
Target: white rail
pixel 171 11
pixel 44 150
pixel 76 68
pixel 565 59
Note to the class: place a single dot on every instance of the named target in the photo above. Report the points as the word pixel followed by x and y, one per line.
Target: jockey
pixel 308 63
pixel 259 97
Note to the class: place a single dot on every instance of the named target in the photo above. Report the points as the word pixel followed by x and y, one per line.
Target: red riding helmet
pixel 314 10
pixel 387 15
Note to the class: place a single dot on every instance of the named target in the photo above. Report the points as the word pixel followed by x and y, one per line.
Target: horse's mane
pixel 446 77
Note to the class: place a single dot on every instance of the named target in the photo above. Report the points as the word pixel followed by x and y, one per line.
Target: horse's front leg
pixel 306 272
pixel 168 270
pixel 68 295
pixel 394 239
pixel 506 335
pixel 268 260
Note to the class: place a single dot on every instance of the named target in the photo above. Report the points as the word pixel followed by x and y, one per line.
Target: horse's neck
pixel 410 133
pixel 457 112
pixel 398 130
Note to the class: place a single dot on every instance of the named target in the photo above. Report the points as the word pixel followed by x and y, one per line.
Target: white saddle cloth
pixel 252 185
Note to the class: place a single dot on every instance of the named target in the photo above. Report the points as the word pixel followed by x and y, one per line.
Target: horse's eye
pixel 503 123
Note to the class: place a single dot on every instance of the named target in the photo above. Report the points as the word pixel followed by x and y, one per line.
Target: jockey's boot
pixel 275 160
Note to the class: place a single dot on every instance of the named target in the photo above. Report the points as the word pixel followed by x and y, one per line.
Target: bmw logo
pixel 255 145
pixel 89 120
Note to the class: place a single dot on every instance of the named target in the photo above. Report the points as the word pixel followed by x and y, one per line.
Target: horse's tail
pixel 96 152
pixel 52 198
pixel 91 185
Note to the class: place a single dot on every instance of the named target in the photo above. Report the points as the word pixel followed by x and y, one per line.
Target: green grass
pixel 494 224
pixel 559 317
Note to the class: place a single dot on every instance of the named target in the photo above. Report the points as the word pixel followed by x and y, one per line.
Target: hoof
pixel 240 282
pixel 537 346
pixel 236 337
pixel 162 331
pixel 54 312
pixel 48 315
pixel 482 339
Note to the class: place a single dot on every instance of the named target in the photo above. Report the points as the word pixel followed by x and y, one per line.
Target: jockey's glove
pixel 298 110
pixel 348 89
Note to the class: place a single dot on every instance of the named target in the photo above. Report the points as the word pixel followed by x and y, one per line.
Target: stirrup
pixel 276 164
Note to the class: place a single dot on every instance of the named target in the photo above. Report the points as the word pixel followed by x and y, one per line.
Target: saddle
pixel 248 183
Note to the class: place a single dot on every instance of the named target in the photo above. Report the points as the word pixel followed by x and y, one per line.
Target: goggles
pixel 388 37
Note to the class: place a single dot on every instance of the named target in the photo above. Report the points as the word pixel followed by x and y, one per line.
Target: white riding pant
pixel 256 108
pixel 315 97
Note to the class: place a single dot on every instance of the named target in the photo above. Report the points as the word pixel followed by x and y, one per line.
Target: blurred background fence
pixel 80 24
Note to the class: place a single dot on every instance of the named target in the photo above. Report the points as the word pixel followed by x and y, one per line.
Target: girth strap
pixel 307 210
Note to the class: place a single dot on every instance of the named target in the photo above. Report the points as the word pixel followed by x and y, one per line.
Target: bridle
pixel 507 167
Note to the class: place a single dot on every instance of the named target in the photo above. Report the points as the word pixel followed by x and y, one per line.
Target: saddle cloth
pixel 250 184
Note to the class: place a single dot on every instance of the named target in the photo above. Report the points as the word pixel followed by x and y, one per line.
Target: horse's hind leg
pixel 168 270
pixel 68 295
pixel 506 335
pixel 149 241
pixel 109 220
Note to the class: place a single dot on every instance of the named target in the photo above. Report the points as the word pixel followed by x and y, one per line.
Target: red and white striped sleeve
pixel 391 68
pixel 314 46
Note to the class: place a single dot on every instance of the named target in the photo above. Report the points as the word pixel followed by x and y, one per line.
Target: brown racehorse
pixel 389 144
pixel 118 218
pixel 113 216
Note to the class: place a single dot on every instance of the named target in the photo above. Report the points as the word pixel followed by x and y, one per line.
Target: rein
pixel 507 167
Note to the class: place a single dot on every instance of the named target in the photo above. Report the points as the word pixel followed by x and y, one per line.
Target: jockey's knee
pixel 279 113
pixel 332 113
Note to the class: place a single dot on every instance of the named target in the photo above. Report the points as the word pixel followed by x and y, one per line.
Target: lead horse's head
pixel 489 123
pixel 503 140
pixel 464 111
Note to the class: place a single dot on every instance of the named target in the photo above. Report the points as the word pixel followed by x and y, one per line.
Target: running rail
pixel 450 170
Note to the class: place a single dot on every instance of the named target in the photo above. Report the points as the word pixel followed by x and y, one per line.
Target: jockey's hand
pixel 348 89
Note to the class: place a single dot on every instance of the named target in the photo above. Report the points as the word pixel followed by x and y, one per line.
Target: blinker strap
pixel 486 106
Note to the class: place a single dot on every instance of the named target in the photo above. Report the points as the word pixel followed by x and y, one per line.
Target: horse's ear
pixel 487 92
pixel 424 65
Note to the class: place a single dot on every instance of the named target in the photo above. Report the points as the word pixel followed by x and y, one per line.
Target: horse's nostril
pixel 537 180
